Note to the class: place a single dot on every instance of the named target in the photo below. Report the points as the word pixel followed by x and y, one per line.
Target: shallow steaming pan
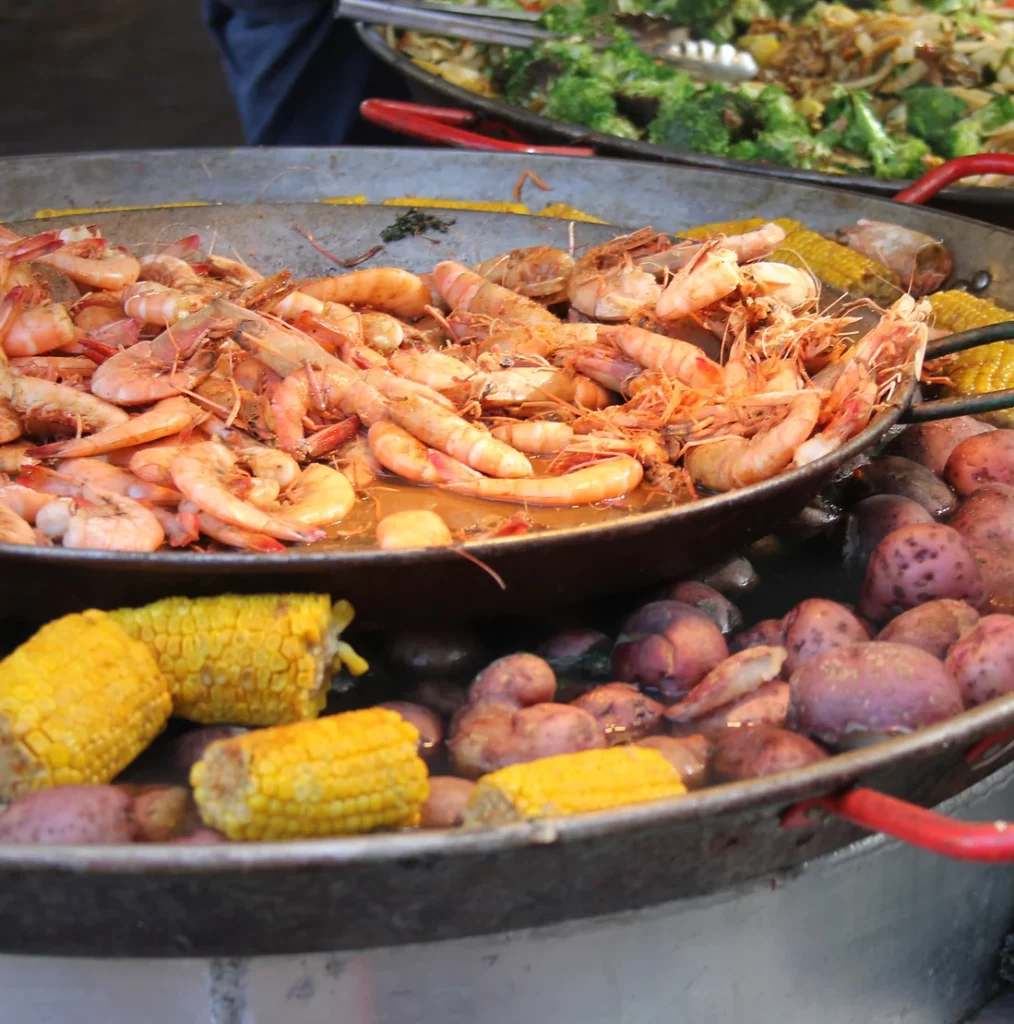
pixel 542 569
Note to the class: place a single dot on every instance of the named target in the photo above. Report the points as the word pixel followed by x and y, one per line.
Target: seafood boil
pixel 185 399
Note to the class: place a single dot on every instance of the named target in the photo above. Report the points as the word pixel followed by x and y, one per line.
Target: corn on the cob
pixel 78 702
pixel 339 775
pixel 250 660
pixel 564 211
pixel 837 265
pixel 977 370
pixel 591 780
pixel 727 227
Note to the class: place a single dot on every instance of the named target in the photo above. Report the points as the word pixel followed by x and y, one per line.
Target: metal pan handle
pixel 420 122
pixel 971 405
pixel 954 170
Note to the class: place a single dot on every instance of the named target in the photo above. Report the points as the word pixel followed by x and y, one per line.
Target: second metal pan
pixel 995 203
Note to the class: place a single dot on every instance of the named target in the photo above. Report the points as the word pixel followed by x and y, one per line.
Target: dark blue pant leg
pixel 296 74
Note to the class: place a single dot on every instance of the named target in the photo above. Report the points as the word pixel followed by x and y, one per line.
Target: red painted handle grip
pixel 418 122
pixel 946 174
pixel 986 843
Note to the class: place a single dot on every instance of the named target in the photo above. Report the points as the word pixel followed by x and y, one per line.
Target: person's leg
pixel 297 75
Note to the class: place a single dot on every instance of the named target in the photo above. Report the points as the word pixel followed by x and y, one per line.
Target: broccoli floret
pixel 931 112
pixel 615 124
pixel 969 135
pixel 525 75
pixel 640 99
pixel 893 156
pixel 793 149
pixel 623 61
pixel 777 112
pixel 709 122
pixel 842 128
pixel 579 100
pixel 575 18
pixel 745 149
pixel 745 12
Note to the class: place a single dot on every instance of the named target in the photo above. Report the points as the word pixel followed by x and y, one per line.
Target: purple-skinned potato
pixel 189 748
pixel 981 460
pixel 442 698
pixel 766 633
pixel 71 816
pixel 446 802
pixel 871 520
pixel 893 474
pixel 933 627
pixel 722 612
pixel 917 564
pixel 930 444
pixel 767 705
pixel 816 625
pixel 982 661
pixel 624 713
pixel 872 687
pixel 735 677
pixel 580 653
pixel 986 521
pixel 758 750
pixel 516 680
pixel 427 722
pixel 163 812
pixel 668 646
pixel 733 575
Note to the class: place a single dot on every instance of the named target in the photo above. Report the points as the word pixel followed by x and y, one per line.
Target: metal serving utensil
pixel 519 28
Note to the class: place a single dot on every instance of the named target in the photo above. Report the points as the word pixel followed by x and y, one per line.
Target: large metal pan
pixel 544 569
pixel 993 203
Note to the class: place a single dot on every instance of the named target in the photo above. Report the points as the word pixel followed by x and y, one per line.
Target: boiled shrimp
pixel 319 497
pixel 181 528
pixel 535 437
pixel 710 276
pixel 264 462
pixel 96 264
pixel 230 535
pixel 168 417
pixel 14 529
pixel 360 465
pixel 677 359
pixel 614 294
pixel 388 289
pixel 234 272
pixel 59 369
pixel 105 477
pixel 382 332
pixel 434 369
pixel 33 330
pixel 173 272
pixel 11 427
pixel 152 464
pixel 749 246
pixel 58 404
pixel 728 462
pixel 605 480
pixel 404 455
pixel 25 501
pixel 795 287
pixel 531 388
pixel 449 433
pixel 463 289
pixel 921 263
pixel 390 385
pixel 848 408
pixel 203 472
pixel 155 303
pixel 539 272
pixel 413 528
pixel 160 368
pixel 14 457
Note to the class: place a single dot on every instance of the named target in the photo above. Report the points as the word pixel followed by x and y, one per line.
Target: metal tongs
pixel 520 28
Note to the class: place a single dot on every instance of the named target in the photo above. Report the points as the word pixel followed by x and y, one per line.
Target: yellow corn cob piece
pixel 564 211
pixel 78 702
pixel 481 205
pixel 739 227
pixel 977 370
pixel 592 780
pixel 837 265
pixel 262 659
pixel 339 775
pixel 956 311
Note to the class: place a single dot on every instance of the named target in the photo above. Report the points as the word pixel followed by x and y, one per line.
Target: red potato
pixel 431 729
pixel 872 519
pixel 894 475
pixel 71 816
pixel 930 444
pixel 872 687
pixel 722 612
pixel 815 626
pixel 735 677
pixel 917 564
pixel 581 653
pixel 981 460
pixel 624 713
pixel 669 646
pixel 189 748
pixel 486 737
pixel 982 661
pixel 436 654
pixel 202 837
pixel 687 754
pixel 767 705
pixel 932 627
pixel 444 806
pixel 516 680
pixel 163 812
pixel 986 521
pixel 767 633
pixel 762 750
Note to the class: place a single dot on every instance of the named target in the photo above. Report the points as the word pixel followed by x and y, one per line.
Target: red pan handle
pixel 443 126
pixel 986 843
pixel 946 174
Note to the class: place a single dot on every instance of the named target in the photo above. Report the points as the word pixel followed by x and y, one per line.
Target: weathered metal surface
pixel 430 88
pixel 876 934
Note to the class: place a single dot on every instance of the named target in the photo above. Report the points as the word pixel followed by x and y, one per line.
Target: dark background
pixel 110 74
